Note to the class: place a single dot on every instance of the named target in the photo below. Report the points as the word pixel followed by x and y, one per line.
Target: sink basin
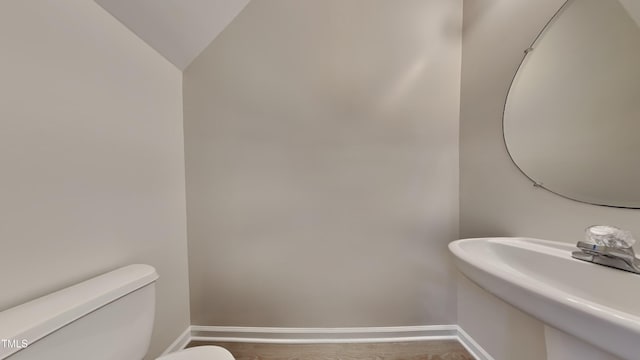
pixel 595 306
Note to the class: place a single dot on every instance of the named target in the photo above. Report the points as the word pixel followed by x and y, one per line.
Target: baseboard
pixel 322 335
pixel 275 335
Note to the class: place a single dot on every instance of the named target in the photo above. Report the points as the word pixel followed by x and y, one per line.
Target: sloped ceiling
pixel 177 29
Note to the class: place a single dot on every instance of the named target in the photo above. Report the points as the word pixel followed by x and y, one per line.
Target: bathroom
pixel 306 166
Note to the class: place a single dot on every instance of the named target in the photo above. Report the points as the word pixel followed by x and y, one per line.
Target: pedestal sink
pixel 590 311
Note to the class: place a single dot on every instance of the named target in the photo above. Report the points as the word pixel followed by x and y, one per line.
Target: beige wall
pixel 322 165
pixel 91 150
pixel 495 198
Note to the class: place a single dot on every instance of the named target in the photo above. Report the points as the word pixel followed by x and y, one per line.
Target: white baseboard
pixel 322 335
pixel 276 335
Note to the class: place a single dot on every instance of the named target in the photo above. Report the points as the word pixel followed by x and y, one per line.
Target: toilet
pixel 109 317
pixel 200 352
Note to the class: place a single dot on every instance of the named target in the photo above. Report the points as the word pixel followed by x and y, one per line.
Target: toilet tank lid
pixel 38 318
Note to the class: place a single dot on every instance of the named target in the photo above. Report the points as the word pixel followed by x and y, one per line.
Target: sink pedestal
pixel 562 346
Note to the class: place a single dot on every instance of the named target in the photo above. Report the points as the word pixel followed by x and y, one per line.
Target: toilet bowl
pixel 200 353
pixel 109 317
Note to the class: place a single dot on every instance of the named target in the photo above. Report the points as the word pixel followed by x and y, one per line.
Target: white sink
pixel 598 307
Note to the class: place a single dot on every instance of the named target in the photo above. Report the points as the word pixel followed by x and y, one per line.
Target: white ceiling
pixel 181 29
pixel 177 29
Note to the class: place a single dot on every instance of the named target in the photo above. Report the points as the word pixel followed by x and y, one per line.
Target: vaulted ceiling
pixel 181 29
pixel 177 29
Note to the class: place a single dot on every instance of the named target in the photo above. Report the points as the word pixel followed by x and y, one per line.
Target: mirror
pixel 572 115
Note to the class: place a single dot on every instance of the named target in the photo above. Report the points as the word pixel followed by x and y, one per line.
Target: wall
pixel 633 9
pixel 495 198
pixel 91 149
pixel 322 165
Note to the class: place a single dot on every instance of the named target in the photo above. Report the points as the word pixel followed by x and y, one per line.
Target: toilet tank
pixel 109 317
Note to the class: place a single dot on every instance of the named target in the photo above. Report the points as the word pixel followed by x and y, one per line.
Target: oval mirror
pixel 572 115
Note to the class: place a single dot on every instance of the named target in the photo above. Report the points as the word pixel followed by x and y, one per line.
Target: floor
pixel 414 350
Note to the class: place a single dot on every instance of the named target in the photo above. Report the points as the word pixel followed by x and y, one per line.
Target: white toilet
pixel 109 317
pixel 200 352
